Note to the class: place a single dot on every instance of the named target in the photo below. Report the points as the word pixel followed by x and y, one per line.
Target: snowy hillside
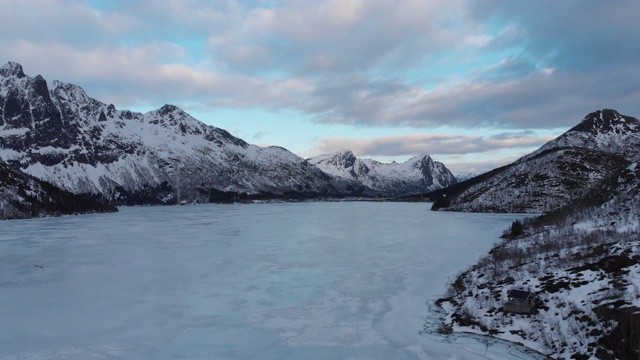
pixel 62 135
pixel 465 177
pixel 564 169
pixel 23 196
pixel 605 130
pixel 541 184
pixel 417 175
pixel 582 265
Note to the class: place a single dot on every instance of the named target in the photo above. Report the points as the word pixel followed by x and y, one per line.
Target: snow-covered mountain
pixel 465 177
pixel 23 196
pixel 605 130
pixel 562 170
pixel 417 175
pixel 581 264
pixel 60 134
pixel 578 260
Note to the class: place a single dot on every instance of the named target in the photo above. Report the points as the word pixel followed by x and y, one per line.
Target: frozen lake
pixel 350 280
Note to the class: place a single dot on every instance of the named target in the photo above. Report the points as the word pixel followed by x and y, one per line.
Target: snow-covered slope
pixel 540 184
pixel 605 130
pixel 62 135
pixel 23 196
pixel 417 175
pixel 464 177
pixel 564 169
pixel 582 264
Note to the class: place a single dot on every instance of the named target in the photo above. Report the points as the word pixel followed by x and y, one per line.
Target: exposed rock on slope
pixel 63 136
pixel 563 169
pixel 23 196
pixel 417 175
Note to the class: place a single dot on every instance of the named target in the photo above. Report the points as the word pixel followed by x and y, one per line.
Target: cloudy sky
pixel 475 84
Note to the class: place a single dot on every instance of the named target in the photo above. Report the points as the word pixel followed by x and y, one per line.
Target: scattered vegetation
pixel 581 261
pixel 161 194
pixel 55 201
pixel 23 196
pixel 516 229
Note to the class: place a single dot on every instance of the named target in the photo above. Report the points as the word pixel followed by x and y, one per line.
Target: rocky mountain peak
pixel 168 109
pixel 40 87
pixel 607 121
pixel 420 160
pixel 171 115
pixel 12 68
pixel 603 130
pixel 57 84
pixel 344 158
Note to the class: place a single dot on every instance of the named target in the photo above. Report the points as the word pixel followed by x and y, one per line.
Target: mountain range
pixel 62 136
pixel 59 134
pixel 414 176
pixel 564 169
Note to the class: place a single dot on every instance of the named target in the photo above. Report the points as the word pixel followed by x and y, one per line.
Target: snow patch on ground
pixel 573 272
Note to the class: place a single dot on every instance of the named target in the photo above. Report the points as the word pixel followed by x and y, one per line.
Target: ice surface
pixel 265 281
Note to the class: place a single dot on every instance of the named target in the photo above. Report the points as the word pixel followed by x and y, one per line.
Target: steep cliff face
pixel 417 175
pixel 60 134
pixel 562 170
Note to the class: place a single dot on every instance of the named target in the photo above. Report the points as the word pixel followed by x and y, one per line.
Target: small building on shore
pixel 519 301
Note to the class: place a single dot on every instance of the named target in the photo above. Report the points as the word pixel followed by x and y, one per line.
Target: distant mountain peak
pixel 416 175
pixel 343 158
pixel 605 121
pixel 64 85
pixel 12 68
pixel 168 109
pixel 421 158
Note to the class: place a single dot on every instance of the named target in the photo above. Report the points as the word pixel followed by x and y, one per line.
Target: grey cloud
pixel 513 135
pixel 567 58
pixel 56 20
pixel 344 65
pixel 310 38
pixel 127 76
pixel 430 144
pixel 540 100
pixel 508 69
pixel 570 34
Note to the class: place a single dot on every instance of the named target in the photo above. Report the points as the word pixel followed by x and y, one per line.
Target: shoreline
pixel 433 327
